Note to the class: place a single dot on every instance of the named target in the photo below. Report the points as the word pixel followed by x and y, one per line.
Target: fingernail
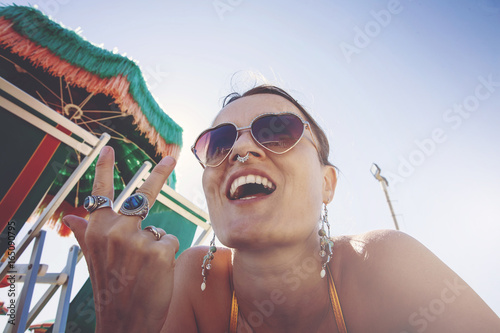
pixel 64 220
pixel 168 161
pixel 104 151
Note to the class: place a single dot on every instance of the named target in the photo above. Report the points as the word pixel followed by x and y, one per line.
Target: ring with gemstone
pixel 94 202
pixel 137 204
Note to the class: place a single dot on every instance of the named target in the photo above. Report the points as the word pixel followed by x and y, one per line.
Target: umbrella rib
pixel 88 127
pixel 144 152
pixel 103 111
pixel 78 183
pixel 100 119
pixel 124 139
pixel 86 122
pixel 121 178
pixel 47 103
pixel 121 136
pixel 85 101
pixel 43 100
pixel 46 87
pixel 69 92
pixel 34 77
pixel 73 117
pixel 61 91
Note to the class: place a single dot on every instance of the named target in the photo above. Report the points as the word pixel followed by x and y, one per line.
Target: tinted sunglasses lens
pixel 278 133
pixel 213 146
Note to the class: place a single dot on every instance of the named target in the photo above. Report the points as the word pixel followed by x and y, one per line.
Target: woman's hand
pixel 131 272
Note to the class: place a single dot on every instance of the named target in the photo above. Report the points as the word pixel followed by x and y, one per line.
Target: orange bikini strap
pixel 334 299
pixel 233 322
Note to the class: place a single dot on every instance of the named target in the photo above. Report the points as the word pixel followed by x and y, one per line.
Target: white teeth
pixel 247 198
pixel 264 181
pixel 249 179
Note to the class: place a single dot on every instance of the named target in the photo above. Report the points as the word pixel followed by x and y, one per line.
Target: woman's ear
pixel 329 183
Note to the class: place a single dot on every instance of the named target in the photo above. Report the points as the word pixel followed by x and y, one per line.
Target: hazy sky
pixel 411 85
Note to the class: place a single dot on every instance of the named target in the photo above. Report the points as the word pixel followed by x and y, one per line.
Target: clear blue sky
pixel 411 85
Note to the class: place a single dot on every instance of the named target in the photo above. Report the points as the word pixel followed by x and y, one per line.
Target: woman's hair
pixel 324 146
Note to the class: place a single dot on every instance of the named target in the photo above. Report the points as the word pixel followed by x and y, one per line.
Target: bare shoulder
pixel 369 250
pixel 393 250
pixel 376 240
pixel 405 287
pixel 194 310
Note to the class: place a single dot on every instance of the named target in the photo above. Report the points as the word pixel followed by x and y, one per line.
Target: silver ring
pixel 244 158
pixel 155 231
pixel 94 202
pixel 137 204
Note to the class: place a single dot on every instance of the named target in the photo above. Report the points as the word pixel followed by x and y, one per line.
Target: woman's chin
pixel 245 239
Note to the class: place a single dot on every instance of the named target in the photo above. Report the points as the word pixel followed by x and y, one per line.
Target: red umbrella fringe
pixel 55 221
pixel 4 282
pixel 116 87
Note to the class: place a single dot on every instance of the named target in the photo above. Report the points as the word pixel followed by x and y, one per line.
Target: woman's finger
pixel 152 186
pixel 104 170
pixel 78 225
pixel 170 240
pixel 154 232
pixel 161 231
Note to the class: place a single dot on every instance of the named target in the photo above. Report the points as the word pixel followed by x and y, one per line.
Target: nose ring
pixel 242 159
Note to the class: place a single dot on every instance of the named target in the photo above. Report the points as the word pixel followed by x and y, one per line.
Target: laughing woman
pixel 267 180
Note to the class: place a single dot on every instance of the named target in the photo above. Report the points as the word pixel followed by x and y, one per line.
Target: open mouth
pixel 249 187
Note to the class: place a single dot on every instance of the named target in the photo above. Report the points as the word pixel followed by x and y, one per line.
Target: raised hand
pixel 131 271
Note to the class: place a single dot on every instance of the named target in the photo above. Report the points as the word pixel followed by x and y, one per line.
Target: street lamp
pixel 375 170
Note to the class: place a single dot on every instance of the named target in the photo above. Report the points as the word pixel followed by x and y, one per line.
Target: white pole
pixel 383 182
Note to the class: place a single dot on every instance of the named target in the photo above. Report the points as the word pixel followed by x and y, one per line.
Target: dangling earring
pixel 325 242
pixel 207 259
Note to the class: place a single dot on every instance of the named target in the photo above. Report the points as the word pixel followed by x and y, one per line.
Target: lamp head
pixel 375 170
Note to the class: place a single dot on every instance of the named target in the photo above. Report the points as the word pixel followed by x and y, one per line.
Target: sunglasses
pixel 276 132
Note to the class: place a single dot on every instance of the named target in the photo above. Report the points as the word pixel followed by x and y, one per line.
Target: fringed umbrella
pixel 99 90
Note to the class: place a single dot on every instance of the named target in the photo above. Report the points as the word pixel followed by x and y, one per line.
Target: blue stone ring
pixel 137 204
pixel 94 202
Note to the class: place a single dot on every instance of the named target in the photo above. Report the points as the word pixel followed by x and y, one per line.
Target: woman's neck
pixel 281 286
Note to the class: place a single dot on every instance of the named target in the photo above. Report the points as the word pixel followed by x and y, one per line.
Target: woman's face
pixel 296 178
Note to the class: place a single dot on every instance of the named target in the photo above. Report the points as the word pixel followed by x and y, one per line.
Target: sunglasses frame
pixel 249 127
